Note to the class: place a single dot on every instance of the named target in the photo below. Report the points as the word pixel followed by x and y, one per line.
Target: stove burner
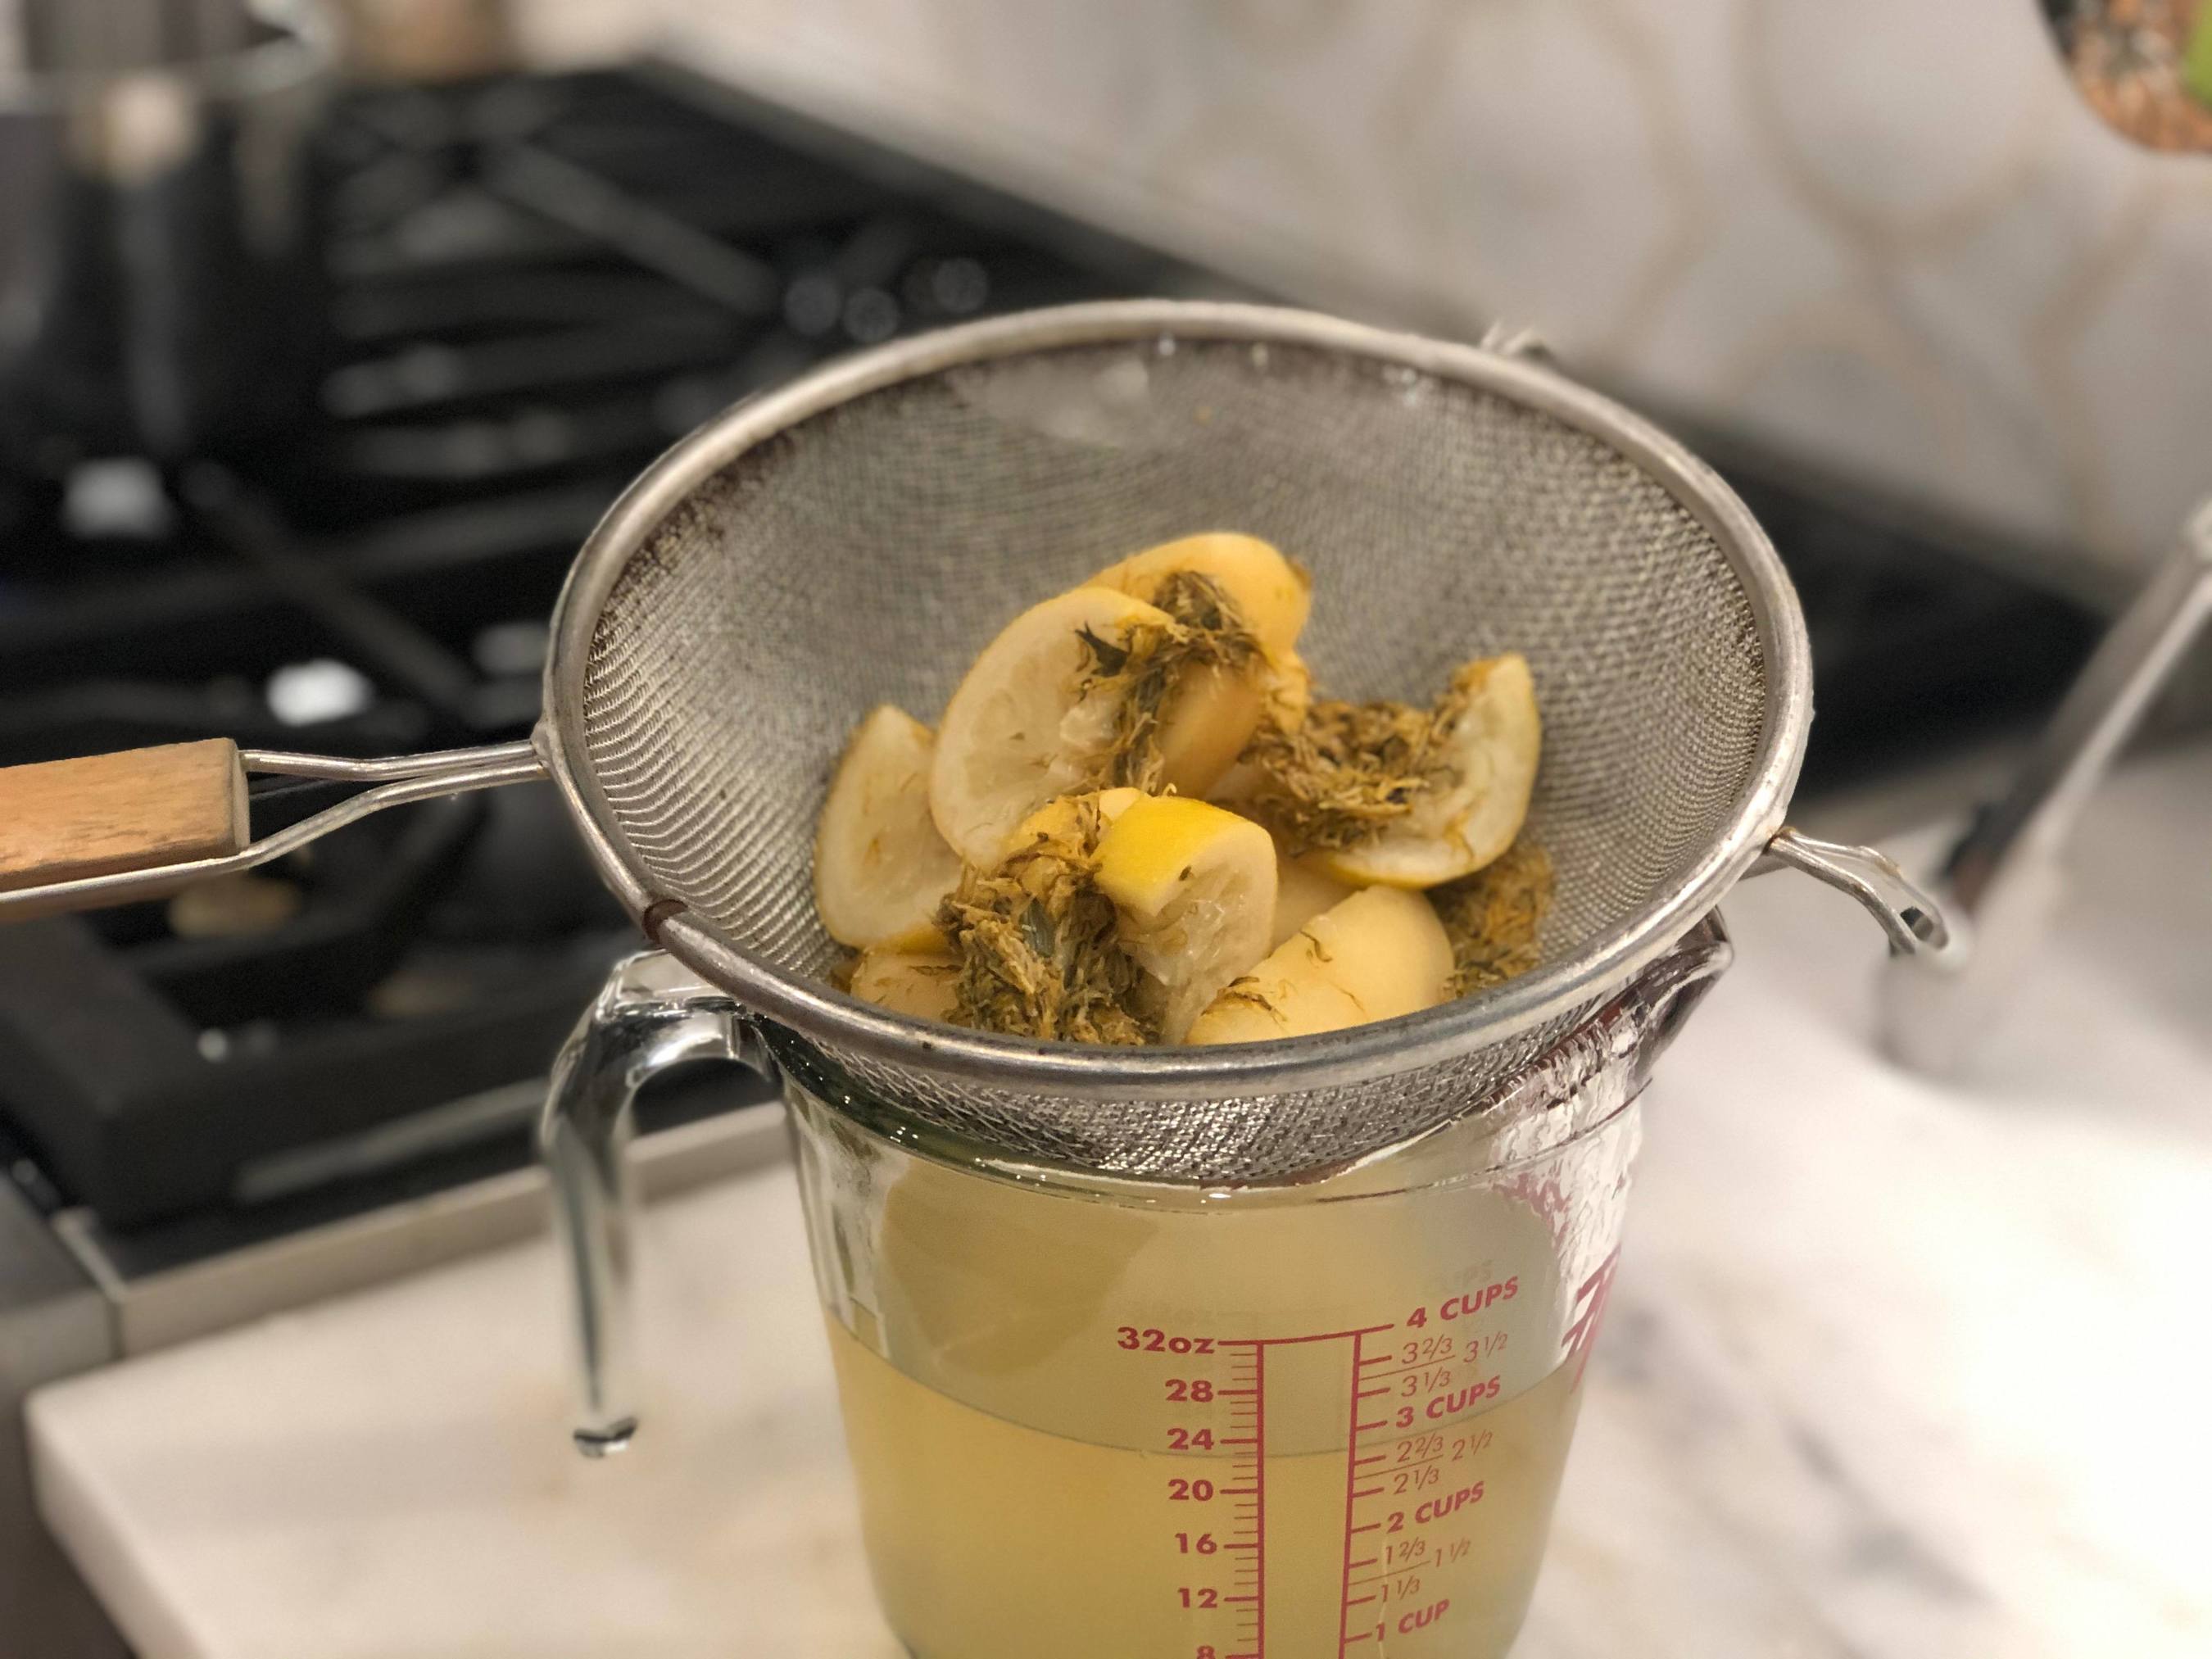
pixel 538 284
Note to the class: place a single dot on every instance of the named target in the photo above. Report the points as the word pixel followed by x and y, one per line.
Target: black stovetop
pixel 539 283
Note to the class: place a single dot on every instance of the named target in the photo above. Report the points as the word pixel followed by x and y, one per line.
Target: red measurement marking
pixel 1444 1363
pixel 1351 1476
pixel 1260 1480
pixel 1355 1460
pixel 1352 1336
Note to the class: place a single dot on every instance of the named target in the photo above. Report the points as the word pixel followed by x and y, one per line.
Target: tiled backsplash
pixel 1886 234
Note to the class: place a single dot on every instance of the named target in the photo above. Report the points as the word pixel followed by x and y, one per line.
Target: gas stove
pixel 536 283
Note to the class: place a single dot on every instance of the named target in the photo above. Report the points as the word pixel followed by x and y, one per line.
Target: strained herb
pixel 1349 770
pixel 1492 917
pixel 1038 946
pixel 1151 665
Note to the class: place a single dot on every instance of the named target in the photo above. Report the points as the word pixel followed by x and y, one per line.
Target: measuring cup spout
pixel 652 1013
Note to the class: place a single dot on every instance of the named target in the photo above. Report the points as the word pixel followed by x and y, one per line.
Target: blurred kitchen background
pixel 326 332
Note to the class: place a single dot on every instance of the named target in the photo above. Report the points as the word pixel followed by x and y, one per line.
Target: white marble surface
pixel 1900 1370
pixel 390 1474
pixel 1890 1368
pixel 1886 234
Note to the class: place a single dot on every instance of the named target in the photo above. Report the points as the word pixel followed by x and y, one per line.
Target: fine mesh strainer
pixel 856 537
pixel 859 537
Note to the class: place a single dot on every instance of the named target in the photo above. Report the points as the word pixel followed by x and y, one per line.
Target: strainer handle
pixel 102 829
pixel 652 1013
pixel 1912 919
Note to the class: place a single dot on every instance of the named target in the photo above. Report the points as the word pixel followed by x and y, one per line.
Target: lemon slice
pixel 1062 817
pixel 915 973
pixel 880 867
pixel 1236 788
pixel 1270 593
pixel 1031 721
pixel 1215 712
pixel 1217 708
pixel 1464 824
pixel 1377 955
pixel 1195 889
pixel 1302 890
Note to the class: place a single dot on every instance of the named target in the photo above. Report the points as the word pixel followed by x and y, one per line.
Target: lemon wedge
pixel 1217 707
pixel 880 867
pixel 1472 817
pixel 1062 817
pixel 915 973
pixel 1271 594
pixel 1040 944
pixel 1194 886
pixel 1377 955
pixel 1302 890
pixel 1032 721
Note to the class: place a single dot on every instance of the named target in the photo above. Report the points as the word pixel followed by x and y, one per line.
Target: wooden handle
pixel 138 809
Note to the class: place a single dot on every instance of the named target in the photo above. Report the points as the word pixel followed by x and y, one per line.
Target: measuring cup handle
pixel 652 1013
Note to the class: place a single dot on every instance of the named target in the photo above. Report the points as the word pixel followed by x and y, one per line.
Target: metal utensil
pixel 159 290
pixel 111 37
pixel 2002 879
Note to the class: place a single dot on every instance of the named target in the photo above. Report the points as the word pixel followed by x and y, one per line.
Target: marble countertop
pixel 1890 1368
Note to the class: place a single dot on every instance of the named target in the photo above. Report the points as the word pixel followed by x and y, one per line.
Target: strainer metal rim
pixel 816 1010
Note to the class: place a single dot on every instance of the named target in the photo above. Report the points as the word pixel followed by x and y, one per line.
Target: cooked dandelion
pixel 1493 918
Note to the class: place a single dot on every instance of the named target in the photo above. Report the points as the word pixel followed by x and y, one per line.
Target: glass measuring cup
pixel 1091 1416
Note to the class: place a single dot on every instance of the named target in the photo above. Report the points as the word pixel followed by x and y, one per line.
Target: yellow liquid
pixel 993 1539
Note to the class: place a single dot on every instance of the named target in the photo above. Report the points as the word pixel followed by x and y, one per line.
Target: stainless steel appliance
pixel 160 291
